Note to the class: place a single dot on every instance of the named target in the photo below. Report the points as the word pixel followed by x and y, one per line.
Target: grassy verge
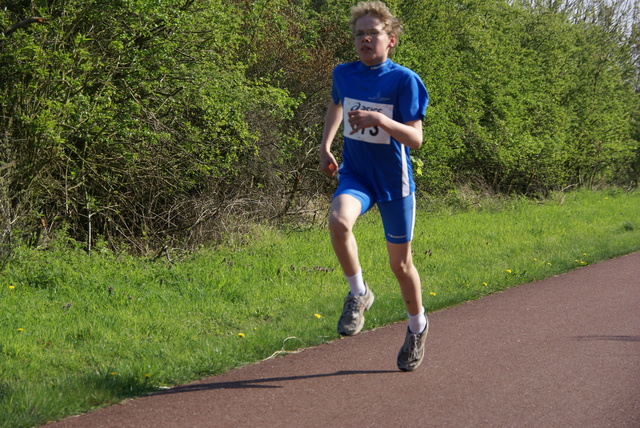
pixel 81 332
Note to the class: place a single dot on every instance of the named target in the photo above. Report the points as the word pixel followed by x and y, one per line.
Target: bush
pixel 170 123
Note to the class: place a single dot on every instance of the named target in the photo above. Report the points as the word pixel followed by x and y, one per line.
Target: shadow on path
pixel 614 338
pixel 257 383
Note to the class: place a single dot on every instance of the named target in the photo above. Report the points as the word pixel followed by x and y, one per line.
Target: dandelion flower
pixel 508 270
pixel 317 315
pixel 485 284
pixel 240 334
pixel 432 293
pixel 20 330
pixel 147 375
pixel 11 287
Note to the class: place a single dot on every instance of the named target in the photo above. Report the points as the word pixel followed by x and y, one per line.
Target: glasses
pixel 369 33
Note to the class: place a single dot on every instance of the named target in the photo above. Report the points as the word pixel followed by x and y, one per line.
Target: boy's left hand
pixel 360 119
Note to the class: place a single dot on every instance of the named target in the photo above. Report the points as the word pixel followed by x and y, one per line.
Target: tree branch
pixel 24 23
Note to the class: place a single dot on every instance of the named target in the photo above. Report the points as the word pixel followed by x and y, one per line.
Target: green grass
pixel 81 332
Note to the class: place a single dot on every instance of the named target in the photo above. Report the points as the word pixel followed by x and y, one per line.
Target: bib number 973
pixel 373 135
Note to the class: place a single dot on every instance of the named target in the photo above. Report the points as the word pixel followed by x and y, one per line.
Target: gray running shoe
pixel 352 318
pixel 412 352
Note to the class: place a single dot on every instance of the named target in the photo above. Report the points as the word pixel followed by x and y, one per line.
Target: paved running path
pixel 562 352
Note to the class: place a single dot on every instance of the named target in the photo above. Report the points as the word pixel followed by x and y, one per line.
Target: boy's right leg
pixel 345 210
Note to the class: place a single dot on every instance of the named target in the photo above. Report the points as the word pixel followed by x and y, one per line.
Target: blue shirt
pixel 372 156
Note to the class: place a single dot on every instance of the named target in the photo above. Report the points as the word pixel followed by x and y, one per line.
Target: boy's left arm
pixel 408 133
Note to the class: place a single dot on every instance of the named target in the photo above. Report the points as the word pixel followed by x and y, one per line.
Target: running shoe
pixel 352 318
pixel 412 352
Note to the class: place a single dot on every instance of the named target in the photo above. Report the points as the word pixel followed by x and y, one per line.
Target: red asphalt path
pixel 561 352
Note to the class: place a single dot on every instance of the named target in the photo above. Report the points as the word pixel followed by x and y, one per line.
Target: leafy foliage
pixel 526 99
pixel 148 122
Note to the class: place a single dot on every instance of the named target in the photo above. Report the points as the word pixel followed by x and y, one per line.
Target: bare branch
pixel 24 23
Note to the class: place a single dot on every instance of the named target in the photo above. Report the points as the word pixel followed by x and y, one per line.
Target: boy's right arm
pixel 332 121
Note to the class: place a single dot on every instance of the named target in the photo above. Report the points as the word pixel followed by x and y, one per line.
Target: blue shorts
pixel 398 217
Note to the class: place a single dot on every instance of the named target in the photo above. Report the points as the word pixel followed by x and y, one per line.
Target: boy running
pixel 381 106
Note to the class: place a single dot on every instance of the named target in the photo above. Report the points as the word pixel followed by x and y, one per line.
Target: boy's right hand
pixel 332 169
pixel 328 165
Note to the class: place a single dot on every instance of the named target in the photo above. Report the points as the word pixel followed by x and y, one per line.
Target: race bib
pixel 374 135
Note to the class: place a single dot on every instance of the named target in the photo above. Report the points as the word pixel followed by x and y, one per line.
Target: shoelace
pixel 413 346
pixel 351 305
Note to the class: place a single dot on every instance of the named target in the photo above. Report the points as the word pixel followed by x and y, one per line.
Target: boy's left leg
pixel 411 353
pixel 401 262
pixel 398 218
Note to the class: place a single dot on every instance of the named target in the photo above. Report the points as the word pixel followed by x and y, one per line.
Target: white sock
pixel 356 284
pixel 417 323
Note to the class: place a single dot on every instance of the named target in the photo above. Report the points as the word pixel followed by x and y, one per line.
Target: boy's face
pixel 372 41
